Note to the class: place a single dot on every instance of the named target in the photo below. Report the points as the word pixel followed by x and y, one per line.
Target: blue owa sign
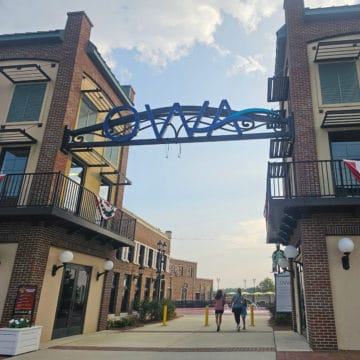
pixel 124 125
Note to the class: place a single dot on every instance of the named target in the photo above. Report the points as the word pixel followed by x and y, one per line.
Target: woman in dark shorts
pixel 219 308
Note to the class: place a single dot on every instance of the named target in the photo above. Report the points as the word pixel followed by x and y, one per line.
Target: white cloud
pixel 249 235
pixel 249 64
pixel 327 3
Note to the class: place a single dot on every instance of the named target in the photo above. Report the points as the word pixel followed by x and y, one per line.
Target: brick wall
pixel 313 227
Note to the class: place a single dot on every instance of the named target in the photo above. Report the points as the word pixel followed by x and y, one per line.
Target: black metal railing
pixel 315 179
pixel 278 89
pixel 56 190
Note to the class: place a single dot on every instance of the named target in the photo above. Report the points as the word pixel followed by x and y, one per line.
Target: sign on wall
pixel 25 300
pixel 283 292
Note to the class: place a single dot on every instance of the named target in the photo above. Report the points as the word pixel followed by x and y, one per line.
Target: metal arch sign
pixel 180 124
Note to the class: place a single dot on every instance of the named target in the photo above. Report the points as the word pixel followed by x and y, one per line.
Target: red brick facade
pixel 314 225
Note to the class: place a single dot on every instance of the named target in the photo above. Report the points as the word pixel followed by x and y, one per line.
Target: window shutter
pixel 26 103
pixel 339 83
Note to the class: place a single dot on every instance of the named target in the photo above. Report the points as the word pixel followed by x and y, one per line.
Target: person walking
pixel 219 308
pixel 236 307
pixel 244 312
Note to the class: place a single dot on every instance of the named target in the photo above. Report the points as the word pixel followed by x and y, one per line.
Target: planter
pixel 17 341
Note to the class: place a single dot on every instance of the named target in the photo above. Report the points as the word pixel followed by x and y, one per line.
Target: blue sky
pixel 210 195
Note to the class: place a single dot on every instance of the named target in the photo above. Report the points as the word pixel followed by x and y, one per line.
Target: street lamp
pixel 244 285
pixel 161 246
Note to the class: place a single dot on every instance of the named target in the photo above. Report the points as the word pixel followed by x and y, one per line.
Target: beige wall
pixel 7 258
pixel 6 91
pixel 346 293
pixel 319 109
pixel 51 287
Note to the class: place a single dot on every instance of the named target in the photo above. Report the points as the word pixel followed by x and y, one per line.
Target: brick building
pixel 184 284
pixel 312 198
pixel 64 235
pixel 49 212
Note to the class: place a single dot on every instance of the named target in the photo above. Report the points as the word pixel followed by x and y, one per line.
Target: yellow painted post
pixel 206 315
pixel 252 315
pixel 164 315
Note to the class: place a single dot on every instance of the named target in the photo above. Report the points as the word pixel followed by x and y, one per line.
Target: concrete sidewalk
pixel 185 338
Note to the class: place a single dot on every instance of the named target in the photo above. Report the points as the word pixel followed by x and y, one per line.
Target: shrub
pixel 279 318
pixel 123 322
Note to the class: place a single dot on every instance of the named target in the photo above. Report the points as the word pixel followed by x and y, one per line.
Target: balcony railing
pixel 55 191
pixel 310 179
pixel 278 89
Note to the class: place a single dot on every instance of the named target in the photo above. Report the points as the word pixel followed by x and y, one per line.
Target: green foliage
pixel 19 323
pixel 266 285
pixel 147 311
pixel 279 318
pixel 123 322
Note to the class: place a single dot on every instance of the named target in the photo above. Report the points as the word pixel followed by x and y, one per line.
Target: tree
pixel 266 285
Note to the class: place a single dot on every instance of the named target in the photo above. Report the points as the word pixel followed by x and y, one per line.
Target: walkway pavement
pixel 186 338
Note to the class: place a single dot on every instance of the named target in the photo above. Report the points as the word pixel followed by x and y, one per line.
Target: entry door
pixel 71 308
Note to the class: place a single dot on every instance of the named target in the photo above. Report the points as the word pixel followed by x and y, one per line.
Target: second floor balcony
pixel 294 188
pixel 55 198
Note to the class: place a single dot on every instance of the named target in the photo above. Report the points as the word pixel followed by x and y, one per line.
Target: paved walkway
pixel 186 338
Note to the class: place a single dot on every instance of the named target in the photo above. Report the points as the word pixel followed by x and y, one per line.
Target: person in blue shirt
pixel 237 308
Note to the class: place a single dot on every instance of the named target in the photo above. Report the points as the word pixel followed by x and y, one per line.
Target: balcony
pixel 56 199
pixel 278 89
pixel 295 188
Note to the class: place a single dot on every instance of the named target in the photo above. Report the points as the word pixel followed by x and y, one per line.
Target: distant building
pixel 313 200
pixel 184 284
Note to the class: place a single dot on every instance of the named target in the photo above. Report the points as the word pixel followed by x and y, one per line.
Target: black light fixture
pixel 107 266
pixel 64 258
pixel 346 246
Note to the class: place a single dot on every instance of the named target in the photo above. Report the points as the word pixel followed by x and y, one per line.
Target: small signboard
pixel 283 293
pixel 25 300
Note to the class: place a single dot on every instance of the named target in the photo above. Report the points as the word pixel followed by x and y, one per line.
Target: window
pixel 339 83
pixel 26 103
pixel 150 258
pixel 105 190
pixel 111 153
pixel 345 146
pixel 141 255
pixel 87 117
pixel 13 161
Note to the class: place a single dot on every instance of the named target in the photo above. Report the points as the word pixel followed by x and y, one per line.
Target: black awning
pixel 99 99
pixel 337 50
pixel 90 157
pixel 336 118
pixel 15 136
pixel 24 73
pixel 115 178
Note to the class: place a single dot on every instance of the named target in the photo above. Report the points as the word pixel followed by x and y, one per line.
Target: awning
pixel 115 178
pixel 337 50
pixel 337 118
pixel 15 136
pixel 99 99
pixel 24 73
pixel 90 157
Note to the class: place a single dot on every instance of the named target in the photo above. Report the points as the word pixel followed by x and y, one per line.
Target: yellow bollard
pixel 164 315
pixel 206 315
pixel 252 315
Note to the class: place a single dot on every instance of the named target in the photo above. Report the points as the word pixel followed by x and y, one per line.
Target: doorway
pixel 70 313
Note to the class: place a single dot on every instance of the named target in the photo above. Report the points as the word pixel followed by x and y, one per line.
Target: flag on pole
pixel 107 211
pixel 354 168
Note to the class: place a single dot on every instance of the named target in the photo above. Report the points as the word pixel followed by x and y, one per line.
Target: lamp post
pixel 161 246
pixel 244 285
pixel 218 283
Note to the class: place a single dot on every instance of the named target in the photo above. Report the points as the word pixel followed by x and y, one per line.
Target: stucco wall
pixel 346 292
pixel 7 258
pixel 51 287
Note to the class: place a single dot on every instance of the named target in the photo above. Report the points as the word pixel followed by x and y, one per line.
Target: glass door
pixel 70 314
pixel 13 165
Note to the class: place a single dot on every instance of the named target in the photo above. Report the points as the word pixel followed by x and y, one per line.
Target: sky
pixel 210 195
